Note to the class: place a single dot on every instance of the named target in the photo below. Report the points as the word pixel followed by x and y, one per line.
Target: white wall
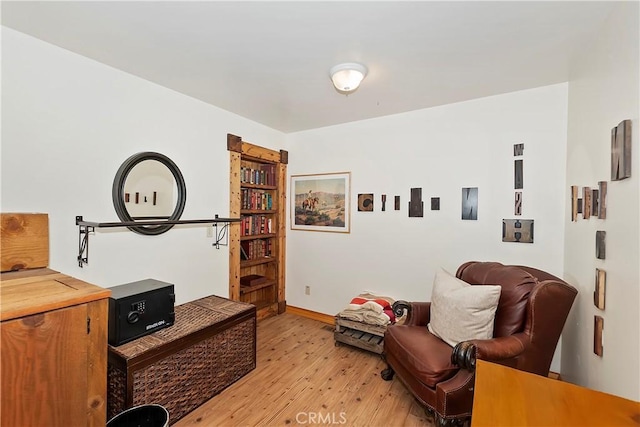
pixel 69 122
pixel 603 91
pixel 441 150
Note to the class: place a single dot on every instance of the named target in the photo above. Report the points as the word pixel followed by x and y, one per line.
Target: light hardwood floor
pixel 302 378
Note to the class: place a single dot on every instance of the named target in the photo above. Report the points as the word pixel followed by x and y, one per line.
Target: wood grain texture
pixel 321 317
pixel 301 377
pixel 508 397
pixel 234 228
pixel 25 241
pixel 269 301
pixel 98 313
pixel 24 296
pixel 602 202
pixel 40 356
pixel 260 153
pixel 598 328
pixel 282 234
pixel 586 202
pixel 54 337
pixel 234 143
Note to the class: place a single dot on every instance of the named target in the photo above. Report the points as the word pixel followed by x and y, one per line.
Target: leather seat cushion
pixel 411 344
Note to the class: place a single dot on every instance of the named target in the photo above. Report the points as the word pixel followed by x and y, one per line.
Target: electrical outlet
pixel 307 290
pixel 210 231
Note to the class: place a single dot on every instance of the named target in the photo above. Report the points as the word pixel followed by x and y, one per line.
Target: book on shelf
pixel 261 175
pixel 252 280
pixel 243 254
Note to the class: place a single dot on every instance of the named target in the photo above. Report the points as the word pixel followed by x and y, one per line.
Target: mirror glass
pixel 150 191
pixel 149 187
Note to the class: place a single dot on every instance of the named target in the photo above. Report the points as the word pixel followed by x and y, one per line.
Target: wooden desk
pixel 508 397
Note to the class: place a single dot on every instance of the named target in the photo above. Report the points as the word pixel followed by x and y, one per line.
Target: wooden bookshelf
pixel 257 179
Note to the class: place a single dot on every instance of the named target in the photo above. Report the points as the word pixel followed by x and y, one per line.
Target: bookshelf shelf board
pixel 247 289
pixel 262 304
pixel 257 211
pixel 252 262
pixel 258 236
pixel 258 186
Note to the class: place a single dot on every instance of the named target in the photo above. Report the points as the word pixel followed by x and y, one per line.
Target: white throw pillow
pixel 460 311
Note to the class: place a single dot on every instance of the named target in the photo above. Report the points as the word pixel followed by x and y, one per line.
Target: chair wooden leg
pixel 387 374
pixel 441 422
pixel 451 422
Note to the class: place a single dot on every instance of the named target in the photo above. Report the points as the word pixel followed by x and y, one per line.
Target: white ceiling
pixel 268 61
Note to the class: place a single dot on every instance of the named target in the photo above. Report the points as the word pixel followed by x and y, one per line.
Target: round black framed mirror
pixel 149 186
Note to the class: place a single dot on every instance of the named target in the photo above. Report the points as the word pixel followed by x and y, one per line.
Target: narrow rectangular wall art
pixel 598 327
pixel 470 203
pixel 602 199
pixel 621 151
pixel 416 205
pixel 586 202
pixel 518 175
pixel 601 284
pixel 594 202
pixel 601 244
pixel 518 204
pixel 574 203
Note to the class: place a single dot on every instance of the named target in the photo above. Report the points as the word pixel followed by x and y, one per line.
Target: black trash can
pixel 141 416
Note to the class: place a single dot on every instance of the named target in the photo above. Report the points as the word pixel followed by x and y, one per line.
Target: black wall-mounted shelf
pixel 86 227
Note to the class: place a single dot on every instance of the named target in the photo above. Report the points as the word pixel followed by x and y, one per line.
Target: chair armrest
pixel 466 353
pixel 418 313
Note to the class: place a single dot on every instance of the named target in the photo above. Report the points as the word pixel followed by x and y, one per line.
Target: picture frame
pixel 321 202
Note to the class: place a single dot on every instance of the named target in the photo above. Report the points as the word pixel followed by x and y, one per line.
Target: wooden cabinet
pixel 53 354
pixel 257 243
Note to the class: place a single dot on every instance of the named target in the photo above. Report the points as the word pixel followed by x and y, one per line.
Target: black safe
pixel 139 308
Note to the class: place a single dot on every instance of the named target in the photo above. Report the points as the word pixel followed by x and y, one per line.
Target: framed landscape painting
pixel 321 202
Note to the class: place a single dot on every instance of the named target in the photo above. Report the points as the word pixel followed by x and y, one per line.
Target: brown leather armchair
pixel 529 319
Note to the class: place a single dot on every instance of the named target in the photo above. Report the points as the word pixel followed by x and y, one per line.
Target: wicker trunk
pixel 211 345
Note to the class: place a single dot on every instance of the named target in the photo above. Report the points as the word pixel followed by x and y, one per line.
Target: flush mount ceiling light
pixel 347 77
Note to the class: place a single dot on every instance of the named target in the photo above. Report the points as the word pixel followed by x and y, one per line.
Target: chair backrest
pixel 532 302
pixel 517 285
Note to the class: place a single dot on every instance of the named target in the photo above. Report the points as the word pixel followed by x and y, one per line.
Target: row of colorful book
pixel 265 175
pixel 251 225
pixel 255 249
pixel 256 199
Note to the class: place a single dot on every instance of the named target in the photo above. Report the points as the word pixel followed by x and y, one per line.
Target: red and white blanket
pixel 368 308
